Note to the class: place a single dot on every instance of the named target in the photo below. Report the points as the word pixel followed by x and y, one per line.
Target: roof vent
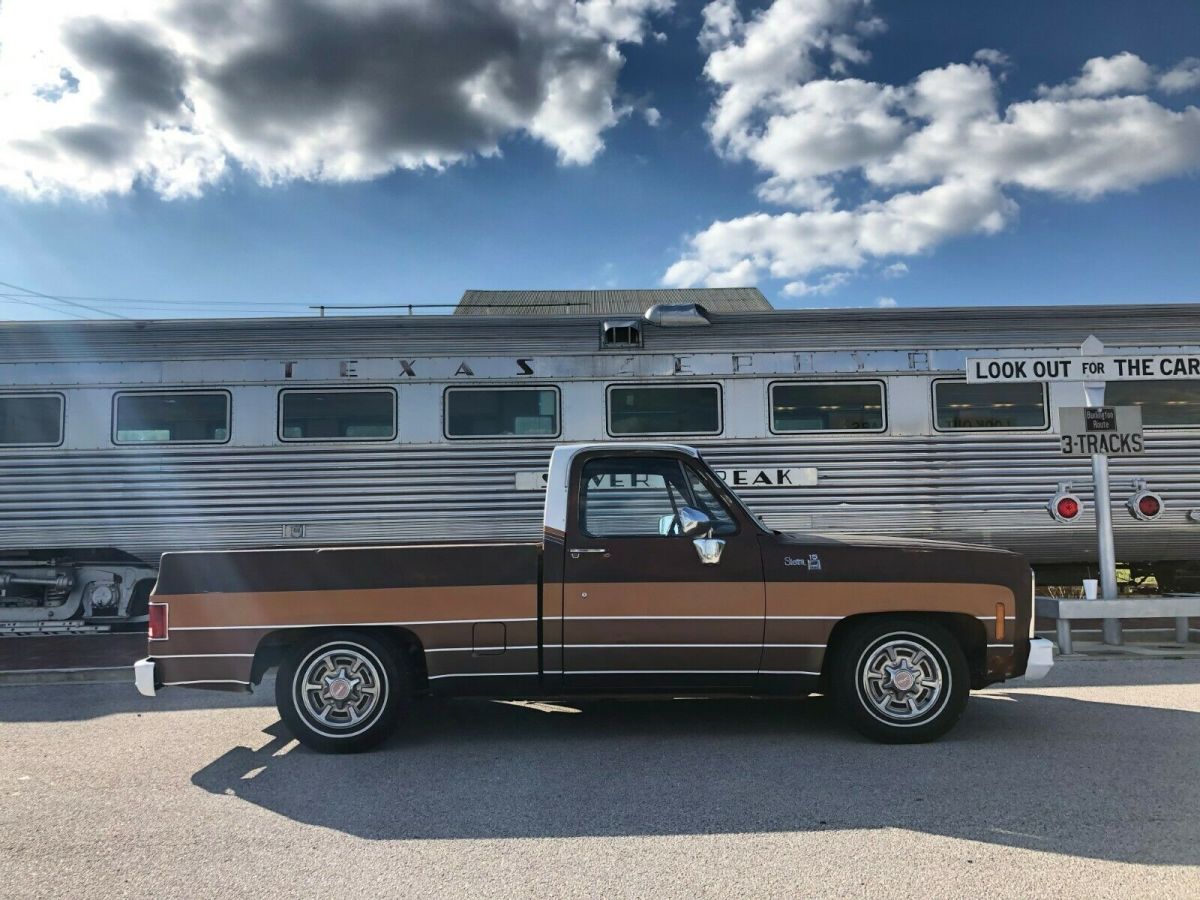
pixel 677 315
pixel 621 333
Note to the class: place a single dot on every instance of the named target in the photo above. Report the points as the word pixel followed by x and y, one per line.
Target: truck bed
pixel 474 607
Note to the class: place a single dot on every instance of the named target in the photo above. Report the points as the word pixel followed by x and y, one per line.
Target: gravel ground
pixel 1086 785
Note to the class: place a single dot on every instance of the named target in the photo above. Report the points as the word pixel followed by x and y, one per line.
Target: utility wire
pixel 53 309
pixel 17 287
pixel 171 301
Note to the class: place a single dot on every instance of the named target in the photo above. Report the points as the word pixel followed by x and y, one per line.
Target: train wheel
pixel 341 691
pixel 899 680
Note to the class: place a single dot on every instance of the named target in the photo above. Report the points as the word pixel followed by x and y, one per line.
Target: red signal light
pixel 1068 507
pixel 1065 507
pixel 1145 506
pixel 158 622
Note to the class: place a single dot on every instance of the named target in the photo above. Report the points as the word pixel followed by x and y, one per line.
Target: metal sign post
pixel 1094 396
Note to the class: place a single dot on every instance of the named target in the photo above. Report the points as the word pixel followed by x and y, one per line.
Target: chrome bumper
pixel 1041 659
pixel 143 677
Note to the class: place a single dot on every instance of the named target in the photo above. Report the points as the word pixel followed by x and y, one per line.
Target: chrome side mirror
pixel 691 520
pixel 709 550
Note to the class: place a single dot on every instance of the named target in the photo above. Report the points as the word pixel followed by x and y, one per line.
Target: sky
pixel 257 158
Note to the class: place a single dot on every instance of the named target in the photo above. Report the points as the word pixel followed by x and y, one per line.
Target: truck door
pixel 641 608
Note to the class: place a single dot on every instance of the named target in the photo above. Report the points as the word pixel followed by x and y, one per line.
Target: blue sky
pixel 629 212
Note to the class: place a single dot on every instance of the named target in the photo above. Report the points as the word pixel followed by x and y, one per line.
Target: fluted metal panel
pixel 987 490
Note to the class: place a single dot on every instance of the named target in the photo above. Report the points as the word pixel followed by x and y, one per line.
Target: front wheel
pixel 900 681
pixel 340 692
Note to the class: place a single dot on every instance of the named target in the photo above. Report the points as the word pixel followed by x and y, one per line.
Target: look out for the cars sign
pixel 1103 430
pixel 1084 368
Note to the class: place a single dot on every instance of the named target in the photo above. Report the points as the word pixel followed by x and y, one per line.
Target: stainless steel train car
pixel 120 440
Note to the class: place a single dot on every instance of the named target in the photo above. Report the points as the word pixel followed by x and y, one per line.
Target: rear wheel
pixel 900 681
pixel 341 692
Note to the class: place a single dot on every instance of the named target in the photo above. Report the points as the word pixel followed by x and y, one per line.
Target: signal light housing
pixel 1145 505
pixel 1065 507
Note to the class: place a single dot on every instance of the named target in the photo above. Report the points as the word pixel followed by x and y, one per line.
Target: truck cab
pixel 652 577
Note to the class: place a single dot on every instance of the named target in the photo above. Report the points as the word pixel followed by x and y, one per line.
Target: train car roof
pixel 777 330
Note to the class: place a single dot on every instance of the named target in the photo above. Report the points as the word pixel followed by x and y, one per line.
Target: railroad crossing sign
pixel 1132 367
pixel 1108 430
pixel 1097 432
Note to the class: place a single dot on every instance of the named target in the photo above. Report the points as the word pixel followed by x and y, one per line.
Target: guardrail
pixel 1170 606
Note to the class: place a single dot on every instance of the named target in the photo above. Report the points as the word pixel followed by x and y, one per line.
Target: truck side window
pixel 629 496
pixel 702 499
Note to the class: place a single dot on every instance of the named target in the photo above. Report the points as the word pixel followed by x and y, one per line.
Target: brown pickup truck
pixel 652 578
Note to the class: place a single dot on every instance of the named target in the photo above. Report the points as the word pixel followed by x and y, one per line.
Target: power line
pixel 25 290
pixel 167 303
pixel 53 309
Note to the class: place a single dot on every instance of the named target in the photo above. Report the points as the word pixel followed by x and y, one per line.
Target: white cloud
pixel 895 270
pixel 826 285
pixel 936 156
pixel 652 116
pixel 991 57
pixel 886 302
pixel 752 63
pixel 1101 76
pixel 791 244
pixel 96 98
pixel 1184 77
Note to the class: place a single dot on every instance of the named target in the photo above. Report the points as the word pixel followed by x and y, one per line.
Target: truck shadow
pixel 1058 775
pixel 78 702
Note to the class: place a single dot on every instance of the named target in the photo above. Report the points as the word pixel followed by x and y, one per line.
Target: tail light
pixel 1065 507
pixel 158 622
pixel 1145 506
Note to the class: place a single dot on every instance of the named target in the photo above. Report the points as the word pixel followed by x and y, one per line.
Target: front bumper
pixel 1041 659
pixel 143 677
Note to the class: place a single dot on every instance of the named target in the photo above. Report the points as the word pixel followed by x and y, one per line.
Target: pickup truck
pixel 652 578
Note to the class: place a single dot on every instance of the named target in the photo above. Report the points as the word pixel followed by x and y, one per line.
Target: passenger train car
pixel 123 439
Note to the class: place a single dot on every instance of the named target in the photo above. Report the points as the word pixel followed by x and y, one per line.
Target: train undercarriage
pixel 65 591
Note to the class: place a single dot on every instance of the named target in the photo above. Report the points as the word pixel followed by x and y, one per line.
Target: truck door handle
pixel 576 551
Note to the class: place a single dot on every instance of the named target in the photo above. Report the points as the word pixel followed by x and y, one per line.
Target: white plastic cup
pixel 1090 588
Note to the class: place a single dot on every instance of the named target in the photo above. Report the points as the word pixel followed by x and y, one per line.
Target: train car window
pixel 31 420
pixel 813 406
pixel 694 409
pixel 161 418
pixel 501 412
pixel 1163 403
pixel 975 407
pixel 357 415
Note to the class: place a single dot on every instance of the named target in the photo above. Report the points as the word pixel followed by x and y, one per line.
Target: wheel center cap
pixel 339 689
pixel 903 680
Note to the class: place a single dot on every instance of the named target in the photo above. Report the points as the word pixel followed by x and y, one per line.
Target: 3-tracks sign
pixel 1109 430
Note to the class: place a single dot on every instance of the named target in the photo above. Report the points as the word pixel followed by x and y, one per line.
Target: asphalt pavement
pixel 1085 785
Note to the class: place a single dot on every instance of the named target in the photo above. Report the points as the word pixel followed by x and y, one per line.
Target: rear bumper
pixel 144 677
pixel 1041 659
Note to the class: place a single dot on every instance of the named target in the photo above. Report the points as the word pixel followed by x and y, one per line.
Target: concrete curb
pixel 68 676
